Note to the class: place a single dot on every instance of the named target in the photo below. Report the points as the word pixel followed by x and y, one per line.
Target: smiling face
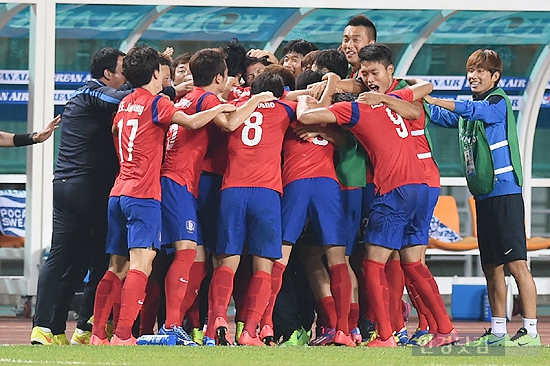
pixel 354 38
pixel 376 77
pixel 481 80
pixel 293 62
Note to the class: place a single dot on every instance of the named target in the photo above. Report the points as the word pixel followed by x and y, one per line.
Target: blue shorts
pixel 133 223
pixel 368 197
pixel 251 215
pixel 209 208
pixel 423 236
pixel 351 202
pixel 397 215
pixel 319 200
pixel 179 213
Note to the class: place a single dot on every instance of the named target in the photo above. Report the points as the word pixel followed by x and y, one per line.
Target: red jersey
pixel 307 159
pixel 215 160
pixel 422 147
pixel 142 121
pixel 386 138
pixel 185 149
pixel 238 92
pixel 254 149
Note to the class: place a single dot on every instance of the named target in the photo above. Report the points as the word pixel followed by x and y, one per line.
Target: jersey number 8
pixel 252 126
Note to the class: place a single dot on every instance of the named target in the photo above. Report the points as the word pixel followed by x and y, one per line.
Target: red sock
pixel 363 302
pixel 259 293
pixel 116 305
pixel 175 285
pixel 396 284
pixel 149 310
pixel 104 299
pixel 193 315
pixel 378 296
pixel 219 295
pixel 240 289
pixel 196 275
pixel 340 286
pixel 327 312
pixel 133 295
pixel 276 283
pixel 353 317
pixel 426 286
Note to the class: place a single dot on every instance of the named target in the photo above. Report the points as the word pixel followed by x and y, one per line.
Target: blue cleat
pixel 183 339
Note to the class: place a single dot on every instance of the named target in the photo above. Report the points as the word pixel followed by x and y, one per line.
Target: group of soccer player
pixel 202 176
pixel 250 156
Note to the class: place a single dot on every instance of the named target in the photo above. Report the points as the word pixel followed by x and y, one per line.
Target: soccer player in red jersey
pixel 250 210
pixel 185 151
pixel 400 193
pixel 141 123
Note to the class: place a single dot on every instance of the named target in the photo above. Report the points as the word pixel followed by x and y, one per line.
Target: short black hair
pixel 299 46
pixel 344 97
pixel 376 52
pixel 206 64
pixel 332 60
pixel 105 59
pixel 360 20
pixel 235 57
pixel 268 82
pixel 140 64
pixel 284 73
pixel 255 60
pixel 307 77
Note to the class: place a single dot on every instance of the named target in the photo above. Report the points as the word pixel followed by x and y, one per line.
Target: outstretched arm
pixel 8 139
pixel 198 120
pixel 403 108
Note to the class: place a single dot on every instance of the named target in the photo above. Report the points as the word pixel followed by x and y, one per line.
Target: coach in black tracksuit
pixel 85 171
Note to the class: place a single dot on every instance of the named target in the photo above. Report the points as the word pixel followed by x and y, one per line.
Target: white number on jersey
pixel 253 125
pixel 133 123
pixel 398 120
pixel 318 140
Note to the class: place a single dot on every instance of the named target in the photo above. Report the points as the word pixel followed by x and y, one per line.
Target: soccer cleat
pixel 523 339
pixel 247 340
pixel 208 342
pixel 368 330
pixel 356 336
pixel 96 341
pixel 197 336
pixel 401 337
pixel 420 338
pixel 267 335
pixel 440 339
pixel 325 337
pixel 299 337
pixel 81 336
pixel 60 340
pixel 488 339
pixel 182 338
pixel 238 331
pixel 222 332
pixel 341 339
pixel 115 341
pixel 377 342
pixel 41 336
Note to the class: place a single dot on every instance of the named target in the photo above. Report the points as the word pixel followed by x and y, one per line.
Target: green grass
pixel 227 356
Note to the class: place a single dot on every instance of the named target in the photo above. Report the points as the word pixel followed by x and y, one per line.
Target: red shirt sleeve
pixel 405 94
pixel 162 110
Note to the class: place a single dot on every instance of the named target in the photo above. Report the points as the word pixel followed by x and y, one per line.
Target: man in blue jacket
pixel 492 165
pixel 85 171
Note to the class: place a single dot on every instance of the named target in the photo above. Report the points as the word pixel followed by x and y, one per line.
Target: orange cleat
pixel 115 341
pixel 377 342
pixel 222 332
pixel 247 340
pixel 96 341
pixel 441 339
pixel 341 339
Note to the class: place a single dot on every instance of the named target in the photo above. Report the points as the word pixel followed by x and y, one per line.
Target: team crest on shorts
pixel 190 226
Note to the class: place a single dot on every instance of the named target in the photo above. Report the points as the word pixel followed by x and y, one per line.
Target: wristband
pixel 24 139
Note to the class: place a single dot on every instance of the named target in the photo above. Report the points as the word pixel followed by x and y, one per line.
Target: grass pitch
pixel 228 356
